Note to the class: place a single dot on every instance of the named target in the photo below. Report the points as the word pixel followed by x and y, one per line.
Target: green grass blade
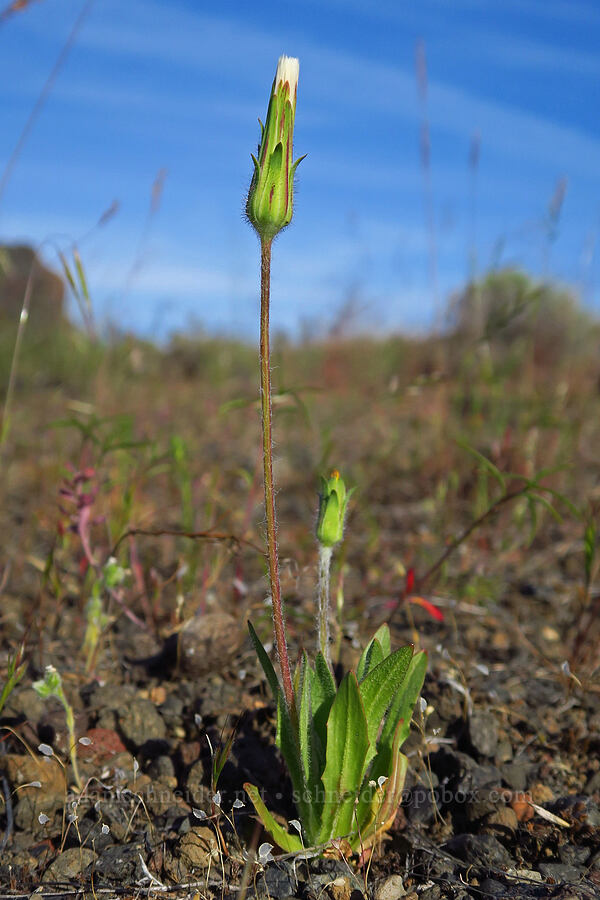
pixel 266 663
pixel 485 463
pixel 289 843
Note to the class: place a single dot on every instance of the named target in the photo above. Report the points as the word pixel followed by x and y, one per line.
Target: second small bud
pixel 333 502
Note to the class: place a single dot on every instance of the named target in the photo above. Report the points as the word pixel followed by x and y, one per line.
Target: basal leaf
pixel 377 816
pixel 289 744
pixel 372 655
pixel 287 739
pixel 323 691
pixel 305 714
pixel 290 843
pixel 347 746
pixel 310 749
pixel 383 636
pixel 379 689
pixel 403 703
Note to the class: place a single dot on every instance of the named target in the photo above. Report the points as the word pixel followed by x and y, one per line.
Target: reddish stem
pixel 265 389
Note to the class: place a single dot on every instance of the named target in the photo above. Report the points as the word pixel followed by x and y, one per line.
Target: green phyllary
pixel 270 201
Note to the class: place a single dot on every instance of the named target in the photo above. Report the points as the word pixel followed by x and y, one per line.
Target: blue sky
pixel 179 85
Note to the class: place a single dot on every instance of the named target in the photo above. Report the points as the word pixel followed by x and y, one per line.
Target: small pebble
pixel 390 889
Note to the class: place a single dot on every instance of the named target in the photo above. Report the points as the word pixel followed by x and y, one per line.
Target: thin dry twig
pixel 211 536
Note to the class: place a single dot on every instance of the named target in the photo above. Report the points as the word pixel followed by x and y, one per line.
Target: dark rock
pixel 89 833
pixel 69 865
pixel 478 850
pixel 420 805
pixel 559 872
pixel 483 732
pixel 490 887
pixel 120 864
pixel 317 874
pixel 593 784
pixel 107 720
pixel 502 822
pixel 116 815
pixel 516 774
pixel 195 851
pixel 25 704
pixel 208 643
pixel 573 856
pixel 159 797
pixel 111 696
pixel 432 893
pixel 504 751
pixel 141 724
pixel 162 767
pixel 469 791
pixel 196 789
pixel 462 772
pixel 578 809
pixel 174 817
pixel 23 772
pixel 391 888
pixel 278 880
pixel 480 803
pixel 172 709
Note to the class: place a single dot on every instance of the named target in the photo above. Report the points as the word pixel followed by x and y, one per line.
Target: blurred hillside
pixel 23 275
pixel 506 318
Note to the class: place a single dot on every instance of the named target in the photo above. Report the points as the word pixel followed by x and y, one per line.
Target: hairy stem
pixel 325 554
pixel 265 390
pixel 73 741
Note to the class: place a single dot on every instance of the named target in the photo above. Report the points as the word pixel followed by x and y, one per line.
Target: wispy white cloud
pixel 162 76
pixel 189 38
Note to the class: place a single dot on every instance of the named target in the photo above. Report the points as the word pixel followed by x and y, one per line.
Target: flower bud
pixel 333 500
pixel 270 200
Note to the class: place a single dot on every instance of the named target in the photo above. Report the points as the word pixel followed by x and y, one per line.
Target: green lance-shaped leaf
pixel 287 736
pixel 379 689
pixel 372 655
pixel 377 809
pixel 323 691
pixel 290 843
pixel 378 648
pixel 347 747
pixel 311 751
pixel 383 636
pixel 403 703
